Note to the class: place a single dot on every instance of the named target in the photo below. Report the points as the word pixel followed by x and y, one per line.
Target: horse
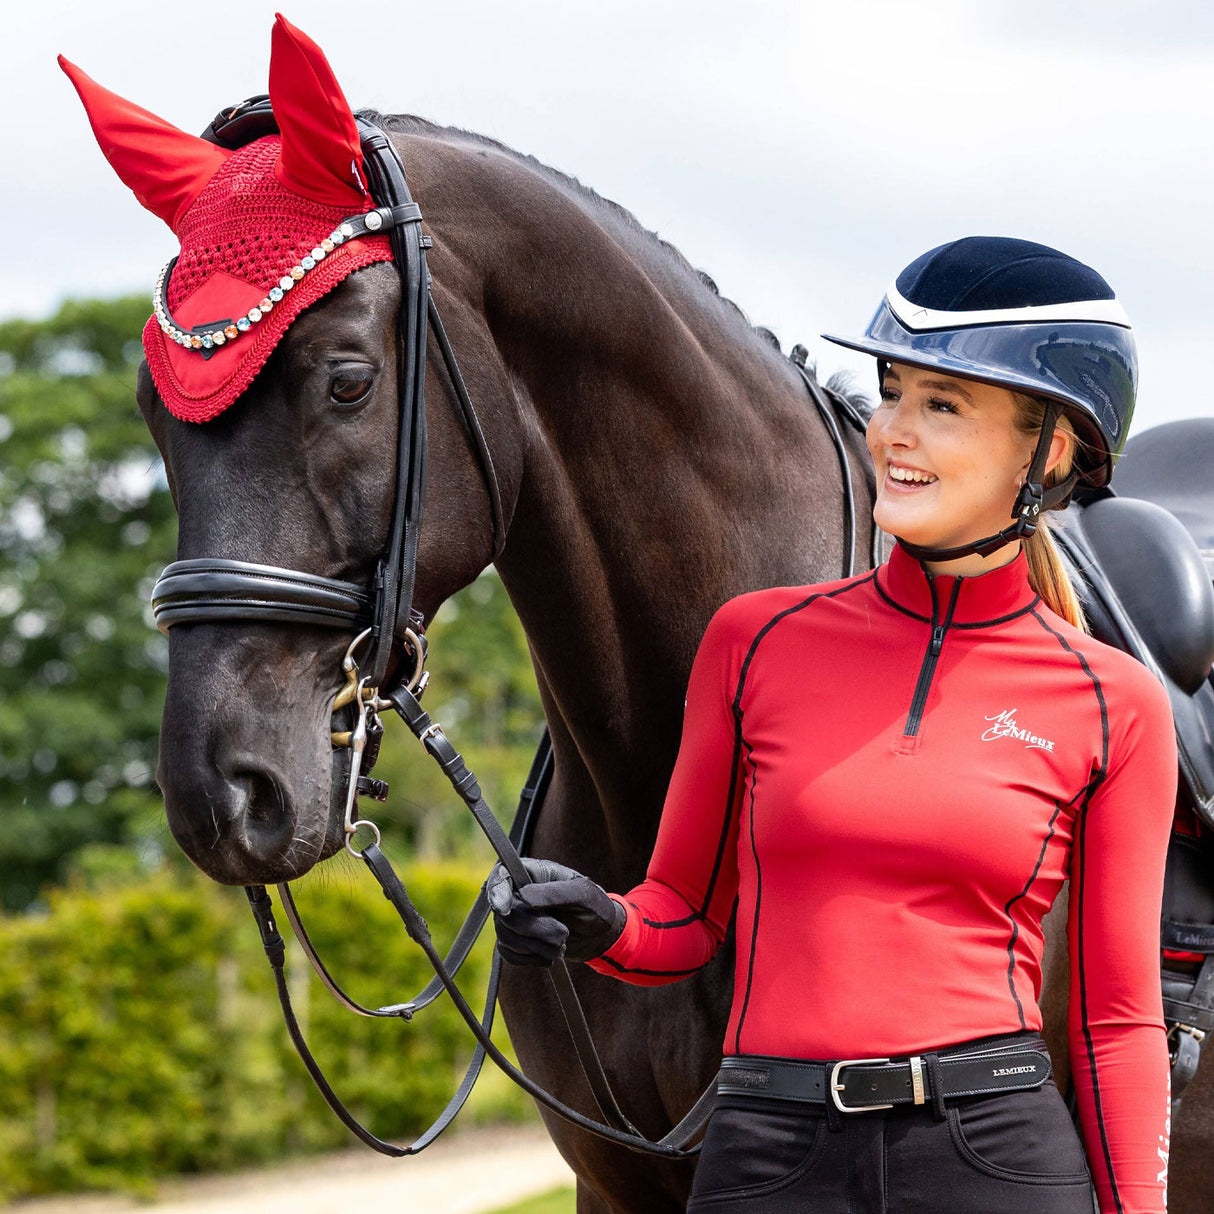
pixel 652 456
pixel 656 455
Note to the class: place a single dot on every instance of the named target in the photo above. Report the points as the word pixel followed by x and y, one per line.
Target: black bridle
pixel 209 590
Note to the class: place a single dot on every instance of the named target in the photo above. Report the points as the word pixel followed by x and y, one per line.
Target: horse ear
pixel 166 168
pixel 321 156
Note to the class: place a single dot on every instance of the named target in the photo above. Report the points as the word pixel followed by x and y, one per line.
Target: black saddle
pixel 1173 466
pixel 1145 589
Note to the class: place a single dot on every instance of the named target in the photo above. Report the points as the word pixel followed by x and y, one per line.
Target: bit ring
pixel 352 830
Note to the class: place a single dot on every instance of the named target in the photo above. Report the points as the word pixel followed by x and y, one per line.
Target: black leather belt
pixel 859 1085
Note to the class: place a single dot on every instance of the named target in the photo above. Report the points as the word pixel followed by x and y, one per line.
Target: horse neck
pixel 670 460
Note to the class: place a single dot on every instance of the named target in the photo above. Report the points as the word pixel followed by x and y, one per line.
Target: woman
pixel 888 779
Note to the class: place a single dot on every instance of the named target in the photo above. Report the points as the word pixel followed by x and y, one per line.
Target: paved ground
pixel 466 1173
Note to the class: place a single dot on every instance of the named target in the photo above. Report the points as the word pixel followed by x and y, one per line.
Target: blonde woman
pixel 887 779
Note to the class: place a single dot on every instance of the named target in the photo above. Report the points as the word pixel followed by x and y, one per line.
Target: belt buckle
pixel 836 1087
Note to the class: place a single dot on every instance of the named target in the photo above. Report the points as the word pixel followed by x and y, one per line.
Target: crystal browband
pixel 206 338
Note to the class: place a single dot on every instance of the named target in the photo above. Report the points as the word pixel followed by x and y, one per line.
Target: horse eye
pixel 349 389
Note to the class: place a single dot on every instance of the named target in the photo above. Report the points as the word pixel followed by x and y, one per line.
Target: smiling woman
pixel 980 439
pixel 886 780
pixel 950 460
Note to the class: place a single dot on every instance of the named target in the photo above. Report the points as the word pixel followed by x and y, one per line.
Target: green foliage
pixel 85 523
pixel 141 1036
pixel 139 1033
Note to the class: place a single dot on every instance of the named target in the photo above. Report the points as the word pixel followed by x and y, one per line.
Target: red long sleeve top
pixel 891 776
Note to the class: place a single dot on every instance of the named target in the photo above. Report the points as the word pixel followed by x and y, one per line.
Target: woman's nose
pixel 892 426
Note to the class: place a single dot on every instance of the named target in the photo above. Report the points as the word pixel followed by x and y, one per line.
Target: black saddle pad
pixel 1173 466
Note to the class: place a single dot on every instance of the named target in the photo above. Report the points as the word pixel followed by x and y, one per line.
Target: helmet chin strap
pixel 1032 499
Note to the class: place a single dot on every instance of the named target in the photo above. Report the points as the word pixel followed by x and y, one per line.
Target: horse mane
pixel 839 384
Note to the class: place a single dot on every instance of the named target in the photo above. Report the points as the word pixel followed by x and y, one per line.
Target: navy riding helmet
pixel 1028 318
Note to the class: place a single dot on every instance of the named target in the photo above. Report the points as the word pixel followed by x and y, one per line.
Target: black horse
pixel 655 455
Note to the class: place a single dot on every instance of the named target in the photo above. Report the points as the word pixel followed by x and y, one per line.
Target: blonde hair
pixel 1047 574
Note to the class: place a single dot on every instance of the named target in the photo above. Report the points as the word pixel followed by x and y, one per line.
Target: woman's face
pixel 949 459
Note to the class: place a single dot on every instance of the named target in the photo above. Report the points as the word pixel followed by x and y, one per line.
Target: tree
pixel 85 524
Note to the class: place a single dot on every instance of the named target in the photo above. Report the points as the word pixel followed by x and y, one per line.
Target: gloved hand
pixel 560 914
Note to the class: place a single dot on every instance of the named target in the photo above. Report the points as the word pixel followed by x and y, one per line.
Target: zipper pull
pixel 937 640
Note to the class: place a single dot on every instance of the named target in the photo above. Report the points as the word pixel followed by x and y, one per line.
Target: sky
pixel 801 153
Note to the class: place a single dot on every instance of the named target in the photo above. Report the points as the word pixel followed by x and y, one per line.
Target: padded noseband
pixel 205 591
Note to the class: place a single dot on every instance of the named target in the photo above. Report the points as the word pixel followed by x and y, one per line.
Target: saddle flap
pixel 1159 577
pixel 1145 590
pixel 1170 466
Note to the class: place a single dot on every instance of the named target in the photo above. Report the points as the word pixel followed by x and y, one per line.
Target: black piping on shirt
pixel 1081 846
pixel 1007 910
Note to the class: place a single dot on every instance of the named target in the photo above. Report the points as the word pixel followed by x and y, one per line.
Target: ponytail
pixel 1049 578
pixel 1047 574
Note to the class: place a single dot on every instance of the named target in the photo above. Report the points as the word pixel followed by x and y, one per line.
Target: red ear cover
pixel 166 168
pixel 321 155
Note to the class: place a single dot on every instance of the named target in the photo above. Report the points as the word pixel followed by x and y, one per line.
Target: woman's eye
pixel 888 395
pixel 349 389
pixel 942 406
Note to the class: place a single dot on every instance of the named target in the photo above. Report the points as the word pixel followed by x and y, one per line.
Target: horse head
pixel 280 433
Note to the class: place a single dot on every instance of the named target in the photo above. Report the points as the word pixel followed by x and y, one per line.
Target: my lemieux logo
pixel 1004 725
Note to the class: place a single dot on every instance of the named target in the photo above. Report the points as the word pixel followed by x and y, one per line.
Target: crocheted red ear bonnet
pixel 262 229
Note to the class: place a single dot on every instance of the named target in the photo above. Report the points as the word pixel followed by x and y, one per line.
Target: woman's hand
pixel 560 914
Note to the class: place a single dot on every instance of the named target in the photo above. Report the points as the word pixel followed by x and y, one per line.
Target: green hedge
pixel 140 1035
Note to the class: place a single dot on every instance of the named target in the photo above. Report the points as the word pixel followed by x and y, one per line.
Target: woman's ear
pixel 1060 444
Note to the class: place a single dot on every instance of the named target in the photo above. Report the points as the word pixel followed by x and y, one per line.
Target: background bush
pixel 142 1036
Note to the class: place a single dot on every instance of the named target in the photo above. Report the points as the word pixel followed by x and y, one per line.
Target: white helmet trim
pixel 917 319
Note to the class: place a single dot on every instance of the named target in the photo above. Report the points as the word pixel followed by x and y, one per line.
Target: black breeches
pixel 1014 1153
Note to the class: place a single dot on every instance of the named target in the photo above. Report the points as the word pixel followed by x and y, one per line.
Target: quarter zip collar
pixel 986 598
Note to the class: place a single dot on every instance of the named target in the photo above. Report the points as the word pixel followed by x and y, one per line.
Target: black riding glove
pixel 560 914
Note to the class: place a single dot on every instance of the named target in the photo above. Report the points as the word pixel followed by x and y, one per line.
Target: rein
pixel 209 590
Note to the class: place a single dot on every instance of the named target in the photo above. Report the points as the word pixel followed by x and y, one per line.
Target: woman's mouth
pixel 910 478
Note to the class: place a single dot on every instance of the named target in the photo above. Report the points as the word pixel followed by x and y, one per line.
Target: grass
pixel 557 1201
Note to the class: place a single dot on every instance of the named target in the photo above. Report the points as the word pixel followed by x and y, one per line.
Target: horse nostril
pixel 265 822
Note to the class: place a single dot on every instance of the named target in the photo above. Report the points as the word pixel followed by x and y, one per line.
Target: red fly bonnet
pixel 265 230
